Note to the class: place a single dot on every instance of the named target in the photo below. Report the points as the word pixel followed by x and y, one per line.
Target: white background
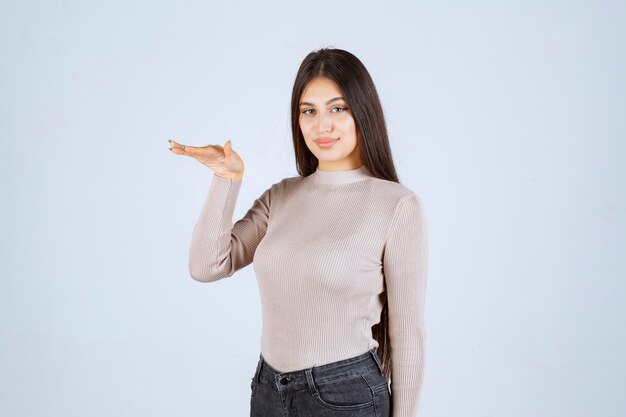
pixel 506 118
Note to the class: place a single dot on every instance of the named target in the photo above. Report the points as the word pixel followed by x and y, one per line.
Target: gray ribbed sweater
pixel 323 248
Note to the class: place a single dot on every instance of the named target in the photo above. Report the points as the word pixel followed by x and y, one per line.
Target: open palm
pixel 221 159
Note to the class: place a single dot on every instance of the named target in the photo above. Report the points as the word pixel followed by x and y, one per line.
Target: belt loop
pixel 377 360
pixel 258 368
pixel 309 378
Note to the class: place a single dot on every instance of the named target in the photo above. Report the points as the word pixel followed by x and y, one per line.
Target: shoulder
pixel 283 183
pixel 283 187
pixel 404 207
pixel 286 184
pixel 394 192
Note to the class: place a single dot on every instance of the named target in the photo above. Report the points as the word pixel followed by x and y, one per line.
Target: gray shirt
pixel 324 248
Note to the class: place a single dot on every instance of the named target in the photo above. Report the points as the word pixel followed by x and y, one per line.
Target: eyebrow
pixel 306 103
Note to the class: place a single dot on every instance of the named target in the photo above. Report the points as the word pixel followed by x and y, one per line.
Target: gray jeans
pixel 353 387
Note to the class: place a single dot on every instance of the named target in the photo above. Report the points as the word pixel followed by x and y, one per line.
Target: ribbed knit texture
pixel 323 248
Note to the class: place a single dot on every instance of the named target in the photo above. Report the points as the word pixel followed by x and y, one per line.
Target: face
pixel 328 127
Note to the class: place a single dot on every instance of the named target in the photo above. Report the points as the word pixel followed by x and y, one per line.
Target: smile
pixel 326 143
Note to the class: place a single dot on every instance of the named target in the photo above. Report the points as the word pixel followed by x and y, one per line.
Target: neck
pixel 341 176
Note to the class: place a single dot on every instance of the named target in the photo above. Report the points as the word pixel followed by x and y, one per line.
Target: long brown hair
pixel 356 84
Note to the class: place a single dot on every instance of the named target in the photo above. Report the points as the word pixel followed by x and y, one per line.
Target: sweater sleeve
pixel 218 247
pixel 405 264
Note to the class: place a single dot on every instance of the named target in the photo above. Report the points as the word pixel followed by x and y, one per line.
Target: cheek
pixel 305 127
pixel 348 126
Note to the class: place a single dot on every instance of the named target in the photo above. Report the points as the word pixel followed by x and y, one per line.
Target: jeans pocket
pixel 351 393
pixel 382 397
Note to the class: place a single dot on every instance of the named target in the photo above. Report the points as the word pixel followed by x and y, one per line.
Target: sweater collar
pixel 342 176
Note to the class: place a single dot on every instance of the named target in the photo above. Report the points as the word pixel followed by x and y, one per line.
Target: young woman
pixel 340 255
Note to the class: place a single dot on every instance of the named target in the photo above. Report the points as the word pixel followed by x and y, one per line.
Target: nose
pixel 326 123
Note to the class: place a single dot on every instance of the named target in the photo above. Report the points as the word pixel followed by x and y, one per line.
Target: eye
pixel 305 111
pixel 339 108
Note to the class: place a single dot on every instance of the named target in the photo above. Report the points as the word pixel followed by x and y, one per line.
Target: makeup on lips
pixel 325 143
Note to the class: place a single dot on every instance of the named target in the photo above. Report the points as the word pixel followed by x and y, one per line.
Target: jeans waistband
pixel 358 365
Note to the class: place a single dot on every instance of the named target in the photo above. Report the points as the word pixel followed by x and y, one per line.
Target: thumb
pixel 228 149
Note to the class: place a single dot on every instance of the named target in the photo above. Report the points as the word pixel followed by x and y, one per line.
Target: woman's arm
pixel 405 265
pixel 218 247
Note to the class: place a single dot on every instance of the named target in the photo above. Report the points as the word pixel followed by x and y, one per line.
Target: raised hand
pixel 222 160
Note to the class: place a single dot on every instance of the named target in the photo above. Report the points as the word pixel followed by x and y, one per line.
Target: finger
pixel 228 149
pixel 181 149
pixel 175 145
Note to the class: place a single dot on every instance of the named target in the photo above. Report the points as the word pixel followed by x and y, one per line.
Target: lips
pixel 326 143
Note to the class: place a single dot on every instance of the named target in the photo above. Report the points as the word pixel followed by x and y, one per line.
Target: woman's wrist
pixel 234 176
